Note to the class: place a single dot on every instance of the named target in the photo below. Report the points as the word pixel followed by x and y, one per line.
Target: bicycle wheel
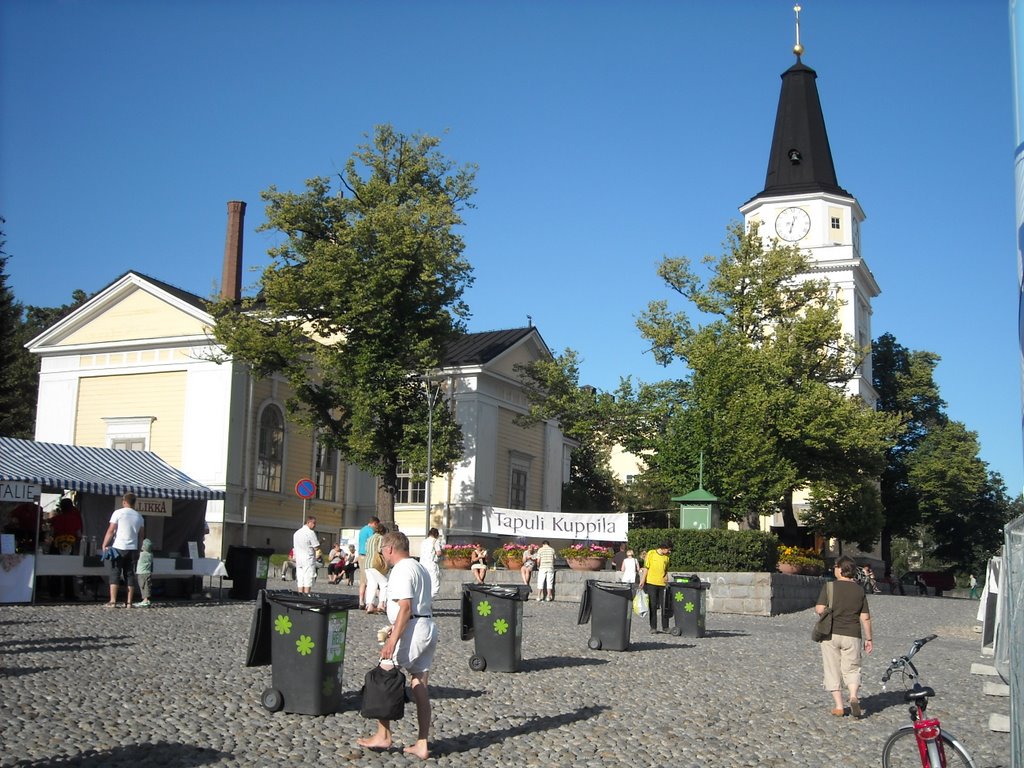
pixel 900 751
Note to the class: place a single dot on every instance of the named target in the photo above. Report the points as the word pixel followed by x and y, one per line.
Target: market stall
pixel 172 503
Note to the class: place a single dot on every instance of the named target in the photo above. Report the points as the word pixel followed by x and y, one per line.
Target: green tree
pixel 904 380
pixel 17 368
pixel 963 505
pixel 553 392
pixel 360 301
pixel 765 397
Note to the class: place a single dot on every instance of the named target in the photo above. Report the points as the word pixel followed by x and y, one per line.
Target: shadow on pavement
pixel 444 692
pixel 73 644
pixel 481 739
pixel 558 662
pixel 161 753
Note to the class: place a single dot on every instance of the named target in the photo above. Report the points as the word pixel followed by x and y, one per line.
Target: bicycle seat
pixel 919 692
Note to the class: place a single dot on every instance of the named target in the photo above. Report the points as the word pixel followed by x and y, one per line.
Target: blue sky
pixel 607 134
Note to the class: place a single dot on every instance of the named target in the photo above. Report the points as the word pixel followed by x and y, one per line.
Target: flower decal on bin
pixel 283 625
pixel 484 608
pixel 501 626
pixel 305 645
pixel 689 607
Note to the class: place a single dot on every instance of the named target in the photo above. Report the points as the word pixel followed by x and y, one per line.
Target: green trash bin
pixel 307 651
pixel 247 568
pixel 685 598
pixel 608 606
pixel 492 616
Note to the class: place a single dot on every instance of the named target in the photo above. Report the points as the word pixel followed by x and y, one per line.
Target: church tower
pixel 802 204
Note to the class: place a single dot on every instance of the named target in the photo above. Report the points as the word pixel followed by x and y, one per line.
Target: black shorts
pixel 123 571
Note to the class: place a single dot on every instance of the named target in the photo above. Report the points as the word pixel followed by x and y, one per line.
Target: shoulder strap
pixel 828 588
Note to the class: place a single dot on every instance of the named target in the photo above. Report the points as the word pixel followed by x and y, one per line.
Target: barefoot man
pixel 413 637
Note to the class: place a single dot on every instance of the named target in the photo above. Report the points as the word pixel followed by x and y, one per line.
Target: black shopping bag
pixel 383 694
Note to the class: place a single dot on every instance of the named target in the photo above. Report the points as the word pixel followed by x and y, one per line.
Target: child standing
pixel 144 572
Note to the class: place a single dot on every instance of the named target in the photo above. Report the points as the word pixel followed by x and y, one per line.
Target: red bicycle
pixel 923 742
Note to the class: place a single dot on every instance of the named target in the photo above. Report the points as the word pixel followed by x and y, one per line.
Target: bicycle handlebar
pixel 902 661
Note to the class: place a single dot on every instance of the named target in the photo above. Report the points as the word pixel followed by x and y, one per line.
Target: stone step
pixel 996 689
pixel 999 723
pixel 983 669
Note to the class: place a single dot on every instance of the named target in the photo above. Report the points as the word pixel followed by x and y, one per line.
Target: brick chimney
pixel 231 279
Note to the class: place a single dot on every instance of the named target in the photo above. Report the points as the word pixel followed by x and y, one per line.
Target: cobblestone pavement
pixel 166 686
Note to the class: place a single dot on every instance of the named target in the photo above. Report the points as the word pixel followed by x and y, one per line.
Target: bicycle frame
pixel 933 752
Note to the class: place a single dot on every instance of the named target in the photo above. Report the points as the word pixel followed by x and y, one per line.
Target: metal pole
pixel 430 447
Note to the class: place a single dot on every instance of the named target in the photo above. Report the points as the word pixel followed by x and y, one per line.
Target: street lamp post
pixel 432 395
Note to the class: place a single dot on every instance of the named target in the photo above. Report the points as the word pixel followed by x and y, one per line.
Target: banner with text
pixel 555 525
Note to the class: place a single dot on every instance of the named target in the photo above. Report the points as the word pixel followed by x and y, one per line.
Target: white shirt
pixel 305 543
pixel 430 548
pixel 129 523
pixel 629 568
pixel 409 579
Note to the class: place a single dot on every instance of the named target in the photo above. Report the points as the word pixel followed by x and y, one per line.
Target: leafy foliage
pixel 553 391
pixel 359 302
pixel 765 396
pixel 711 550
pixel 935 487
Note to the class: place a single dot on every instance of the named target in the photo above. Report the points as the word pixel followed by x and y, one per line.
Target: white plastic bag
pixel 641 603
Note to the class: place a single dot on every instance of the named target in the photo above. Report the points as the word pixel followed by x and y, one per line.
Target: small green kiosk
pixel 698 510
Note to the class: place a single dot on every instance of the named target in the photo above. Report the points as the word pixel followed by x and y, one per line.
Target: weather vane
pixel 797 49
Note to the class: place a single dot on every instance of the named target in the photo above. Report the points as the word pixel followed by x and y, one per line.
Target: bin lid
pixel 312 602
pixel 611 586
pixel 520 592
pixel 692 581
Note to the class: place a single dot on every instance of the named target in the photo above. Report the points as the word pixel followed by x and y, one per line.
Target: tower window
pixel 835 222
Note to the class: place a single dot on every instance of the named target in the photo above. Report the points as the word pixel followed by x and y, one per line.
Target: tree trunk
pixel 790 527
pixel 386 505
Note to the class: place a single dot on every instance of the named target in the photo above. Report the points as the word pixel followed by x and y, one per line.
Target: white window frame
pixel 519 492
pixel 129 433
pixel 408 490
pixel 266 478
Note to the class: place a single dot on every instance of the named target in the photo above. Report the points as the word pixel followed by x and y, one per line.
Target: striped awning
pixel 97 470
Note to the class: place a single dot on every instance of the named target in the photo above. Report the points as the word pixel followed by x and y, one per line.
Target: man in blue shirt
pixel 364 535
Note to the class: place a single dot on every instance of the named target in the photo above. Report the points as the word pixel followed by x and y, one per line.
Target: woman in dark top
pixel 851 626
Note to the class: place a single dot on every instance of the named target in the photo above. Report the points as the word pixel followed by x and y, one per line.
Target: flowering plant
pixel 800 556
pixel 511 550
pixel 577 551
pixel 458 551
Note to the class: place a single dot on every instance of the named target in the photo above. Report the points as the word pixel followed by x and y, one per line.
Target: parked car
pixel 937 581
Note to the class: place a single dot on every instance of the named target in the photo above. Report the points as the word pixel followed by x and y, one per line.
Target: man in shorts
pixel 305 545
pixel 124 536
pixel 413 638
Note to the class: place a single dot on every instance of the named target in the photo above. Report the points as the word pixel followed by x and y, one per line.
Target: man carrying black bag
pixel 413 638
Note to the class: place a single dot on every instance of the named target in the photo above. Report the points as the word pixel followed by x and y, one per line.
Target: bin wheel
pixel 676 631
pixel 477 663
pixel 594 644
pixel 272 700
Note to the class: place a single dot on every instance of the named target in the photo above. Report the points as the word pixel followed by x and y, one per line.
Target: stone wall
pixel 753 594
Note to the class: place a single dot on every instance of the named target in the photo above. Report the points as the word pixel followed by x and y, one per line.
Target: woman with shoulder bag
pixel 376 571
pixel 851 624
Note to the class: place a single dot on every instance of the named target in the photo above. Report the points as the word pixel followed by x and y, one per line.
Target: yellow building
pixel 136 368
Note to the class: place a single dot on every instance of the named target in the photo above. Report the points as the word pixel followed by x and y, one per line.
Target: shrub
pixel 712 550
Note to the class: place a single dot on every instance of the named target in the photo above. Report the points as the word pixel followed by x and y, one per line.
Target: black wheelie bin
pixel 685 599
pixel 492 616
pixel 306 649
pixel 247 568
pixel 608 606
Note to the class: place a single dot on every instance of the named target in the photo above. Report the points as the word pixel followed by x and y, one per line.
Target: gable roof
pixel 481 348
pixel 97 470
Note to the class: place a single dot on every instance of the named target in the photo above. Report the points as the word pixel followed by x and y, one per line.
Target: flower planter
pixel 513 563
pixel 456 563
pixel 586 563
pixel 790 568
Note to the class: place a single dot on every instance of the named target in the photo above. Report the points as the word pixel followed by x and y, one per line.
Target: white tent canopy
pixel 102 471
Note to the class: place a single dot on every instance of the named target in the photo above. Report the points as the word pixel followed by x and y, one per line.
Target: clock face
pixel 793 224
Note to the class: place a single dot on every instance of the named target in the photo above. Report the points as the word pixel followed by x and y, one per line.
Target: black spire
pixel 800 159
